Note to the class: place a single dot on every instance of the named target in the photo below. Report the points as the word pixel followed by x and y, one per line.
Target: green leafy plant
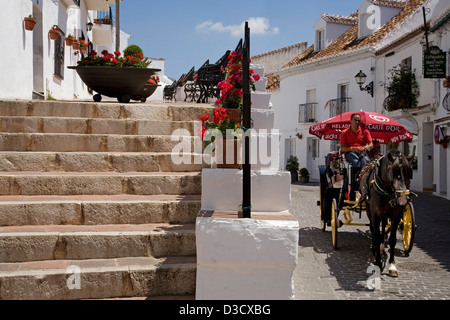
pixel 133 51
pixel 292 164
pixel 402 88
pixel 304 172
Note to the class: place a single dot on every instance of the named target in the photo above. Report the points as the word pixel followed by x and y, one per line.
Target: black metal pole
pixel 246 118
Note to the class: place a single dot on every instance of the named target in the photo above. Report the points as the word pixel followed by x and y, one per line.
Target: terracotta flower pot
pixel 234 114
pixel 82 50
pixel 69 42
pixel 54 34
pixel 29 23
pixel 75 45
pixel 231 159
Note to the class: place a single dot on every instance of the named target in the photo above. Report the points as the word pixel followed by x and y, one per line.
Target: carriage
pixel 337 193
pixel 340 181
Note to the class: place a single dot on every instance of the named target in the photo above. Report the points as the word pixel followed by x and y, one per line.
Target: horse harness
pixel 375 182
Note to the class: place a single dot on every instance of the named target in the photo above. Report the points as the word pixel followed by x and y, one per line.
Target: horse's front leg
pixel 392 242
pixel 376 240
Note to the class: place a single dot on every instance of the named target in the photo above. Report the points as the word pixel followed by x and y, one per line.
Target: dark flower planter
pixel 144 92
pixel 117 82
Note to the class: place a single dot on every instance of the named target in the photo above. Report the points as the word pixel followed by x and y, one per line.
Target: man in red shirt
pixel 354 141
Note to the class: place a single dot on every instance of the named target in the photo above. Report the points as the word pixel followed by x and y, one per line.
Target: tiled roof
pixel 390 3
pixel 273 82
pixel 349 40
pixel 298 45
pixel 351 20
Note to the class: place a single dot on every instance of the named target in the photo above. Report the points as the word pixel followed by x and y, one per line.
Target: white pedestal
pixel 222 190
pixel 246 259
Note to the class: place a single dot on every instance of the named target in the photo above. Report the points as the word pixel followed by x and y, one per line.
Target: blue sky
pixel 188 32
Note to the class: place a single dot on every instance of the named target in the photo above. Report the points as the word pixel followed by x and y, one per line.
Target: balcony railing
pixel 338 106
pixel 104 17
pixel 307 112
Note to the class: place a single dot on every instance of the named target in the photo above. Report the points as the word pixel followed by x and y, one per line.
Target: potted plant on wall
pixel 54 32
pixel 402 88
pixel 231 90
pixel 30 22
pixel 292 166
pixel 69 40
pixel 211 131
pixel 304 175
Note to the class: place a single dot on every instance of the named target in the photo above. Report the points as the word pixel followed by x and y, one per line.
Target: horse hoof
pixel 393 273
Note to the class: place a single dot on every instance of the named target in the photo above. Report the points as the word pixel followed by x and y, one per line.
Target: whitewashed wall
pixel 325 79
pixel 16 52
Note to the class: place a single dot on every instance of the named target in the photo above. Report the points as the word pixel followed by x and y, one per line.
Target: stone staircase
pixel 92 205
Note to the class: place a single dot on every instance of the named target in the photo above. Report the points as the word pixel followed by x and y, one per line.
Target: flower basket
pixel 75 44
pixel 29 23
pixel 82 49
pixel 69 41
pixel 53 34
pixel 231 159
pixel 234 114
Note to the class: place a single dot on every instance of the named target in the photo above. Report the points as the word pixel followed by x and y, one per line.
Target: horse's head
pixel 396 174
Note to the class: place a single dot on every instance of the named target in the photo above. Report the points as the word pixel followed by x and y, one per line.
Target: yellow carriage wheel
pixel 334 223
pixel 323 223
pixel 409 227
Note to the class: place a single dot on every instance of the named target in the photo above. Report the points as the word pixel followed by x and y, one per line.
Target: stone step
pixel 101 161
pixel 98 209
pixel 27 124
pixel 98 278
pixel 69 142
pixel 58 242
pixel 179 111
pixel 101 183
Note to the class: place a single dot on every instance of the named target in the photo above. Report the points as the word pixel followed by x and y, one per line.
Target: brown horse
pixel 385 187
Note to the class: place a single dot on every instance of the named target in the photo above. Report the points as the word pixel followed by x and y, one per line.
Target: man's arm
pixel 345 148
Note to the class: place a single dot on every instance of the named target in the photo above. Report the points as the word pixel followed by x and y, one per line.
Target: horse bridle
pixel 393 194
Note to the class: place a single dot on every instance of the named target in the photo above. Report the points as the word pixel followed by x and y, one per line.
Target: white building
pixel 320 82
pixel 34 66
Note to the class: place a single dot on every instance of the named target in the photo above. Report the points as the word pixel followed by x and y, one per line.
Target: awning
pixel 99 5
pixel 102 34
pixel 410 124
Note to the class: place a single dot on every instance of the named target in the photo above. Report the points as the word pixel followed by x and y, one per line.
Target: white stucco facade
pixel 321 79
pixel 29 60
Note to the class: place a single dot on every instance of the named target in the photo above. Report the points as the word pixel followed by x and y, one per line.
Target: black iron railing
pixel 338 106
pixel 307 112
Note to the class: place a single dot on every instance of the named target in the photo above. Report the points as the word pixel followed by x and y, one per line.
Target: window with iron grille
pixel 307 112
pixel 59 56
pixel 338 106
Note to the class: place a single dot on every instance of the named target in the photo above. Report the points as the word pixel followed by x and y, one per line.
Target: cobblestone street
pixel 325 273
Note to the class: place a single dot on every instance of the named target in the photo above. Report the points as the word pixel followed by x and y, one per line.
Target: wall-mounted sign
pixel 437 134
pixel 434 63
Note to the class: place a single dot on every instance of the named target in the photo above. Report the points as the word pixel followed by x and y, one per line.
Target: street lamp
pixel 361 79
pixel 89 26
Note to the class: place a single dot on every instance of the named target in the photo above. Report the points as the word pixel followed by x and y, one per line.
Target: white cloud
pixel 259 25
